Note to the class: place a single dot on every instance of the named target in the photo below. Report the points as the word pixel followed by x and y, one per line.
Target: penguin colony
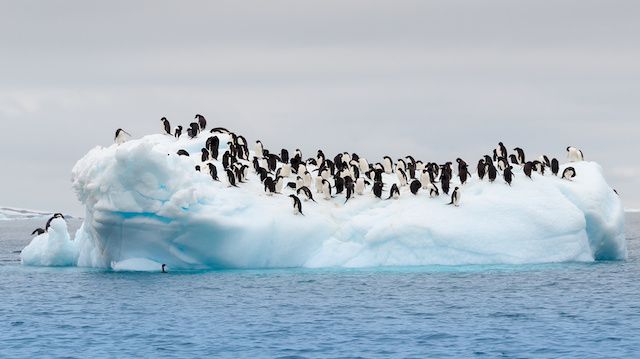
pixel 349 175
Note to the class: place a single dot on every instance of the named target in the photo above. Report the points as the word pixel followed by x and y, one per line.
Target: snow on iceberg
pixel 53 248
pixel 145 205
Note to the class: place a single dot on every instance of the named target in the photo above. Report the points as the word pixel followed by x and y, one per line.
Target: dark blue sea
pixel 535 311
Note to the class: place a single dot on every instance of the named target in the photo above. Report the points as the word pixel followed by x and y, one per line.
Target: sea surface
pixel 567 310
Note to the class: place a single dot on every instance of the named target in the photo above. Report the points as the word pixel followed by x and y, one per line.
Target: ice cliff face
pixel 145 205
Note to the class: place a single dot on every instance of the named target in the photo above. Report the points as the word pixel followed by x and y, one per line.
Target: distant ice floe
pixel 146 206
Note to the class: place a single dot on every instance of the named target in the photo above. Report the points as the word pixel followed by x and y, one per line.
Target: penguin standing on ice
pixel 574 154
pixel 297 205
pixel 415 186
pixel 231 178
pixel 569 173
pixel 183 153
pixel 306 192
pixel 520 155
pixel 377 189
pixel 555 166
pixel 269 186
pixel 433 190
pixel 394 192
pixel 202 122
pixel 205 155
pixel 455 197
pixel 57 215
pixel 121 136
pixel 213 171
pixel 360 185
pixel 178 132
pixel 163 268
pixel 259 149
pixel 166 125
pixel 350 188
pixel 481 169
pixel 387 164
pixel 492 173
pixel 508 175
pixel 528 168
pixel 326 189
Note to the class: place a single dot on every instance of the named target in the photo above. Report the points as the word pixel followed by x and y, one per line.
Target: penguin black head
pixel 163 119
pixel 163 268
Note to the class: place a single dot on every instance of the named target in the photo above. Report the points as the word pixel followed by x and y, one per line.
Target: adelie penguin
pixel 574 154
pixel 304 190
pixel 166 125
pixel 38 231
pixel 415 186
pixel 213 171
pixel 520 155
pixel 57 215
pixel 205 155
pixel 528 168
pixel 183 153
pixel 326 189
pixel 569 173
pixel 555 166
pixel 481 169
pixel 121 136
pixel 178 132
pixel 350 188
pixel 492 173
pixel 394 192
pixel 508 175
pixel 231 178
pixel 297 205
pixel 377 189
pixel 269 186
pixel 455 197
pixel 387 164
pixel 202 122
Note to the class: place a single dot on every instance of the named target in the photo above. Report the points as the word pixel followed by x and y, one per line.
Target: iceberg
pixel 146 205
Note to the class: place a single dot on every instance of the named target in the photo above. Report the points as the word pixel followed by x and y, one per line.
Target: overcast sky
pixel 437 79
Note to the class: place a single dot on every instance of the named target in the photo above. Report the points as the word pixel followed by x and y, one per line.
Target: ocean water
pixel 536 311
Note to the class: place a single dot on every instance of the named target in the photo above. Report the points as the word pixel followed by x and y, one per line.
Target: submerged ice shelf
pixel 145 206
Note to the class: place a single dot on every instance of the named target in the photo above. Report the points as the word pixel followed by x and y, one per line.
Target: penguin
pixel 491 172
pixel 197 168
pixel 528 168
pixel 455 197
pixel 284 155
pixel 166 125
pixel 121 136
pixel 299 183
pixel 259 149
pixel 202 122
pixel 37 231
pixel 481 169
pixel 508 175
pixel 520 155
pixel 213 171
pixel 183 153
pixel 178 132
pixel 350 188
pixel 433 190
pixel 574 154
pixel 538 167
pixel 360 185
pixel 400 164
pixel 338 184
pixel 394 192
pixel 213 144
pixel 502 163
pixel 513 159
pixel 555 166
pixel 163 268
pixel 194 130
pixel 377 189
pixel 297 205
pixel 445 182
pixel 544 160
pixel 415 186
pixel 363 164
pixel 56 215
pixel 402 177
pixel 569 173
pixel 269 186
pixel 205 155
pixel 463 171
pixel 231 178
pixel 308 180
pixel 306 192
pixel 425 178
pixel 502 150
pixel 326 189
pixel 279 184
pixel 387 164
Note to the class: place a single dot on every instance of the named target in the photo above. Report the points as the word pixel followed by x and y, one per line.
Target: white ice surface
pixel 145 206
